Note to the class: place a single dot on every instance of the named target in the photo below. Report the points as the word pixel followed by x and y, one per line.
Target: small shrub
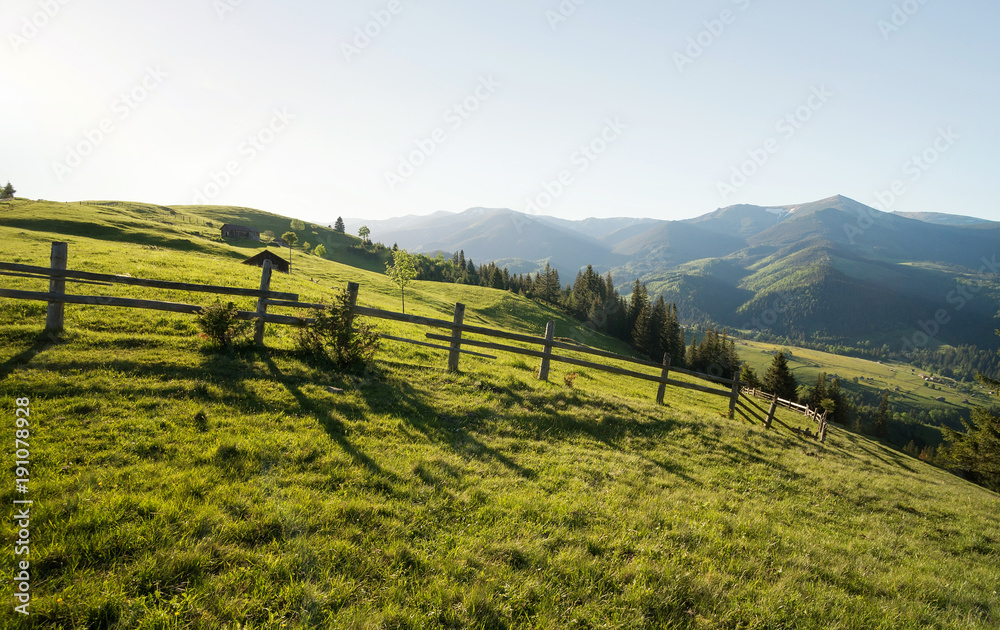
pixel 218 324
pixel 330 337
pixel 569 378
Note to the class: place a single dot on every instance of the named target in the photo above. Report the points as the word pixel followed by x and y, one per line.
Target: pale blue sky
pixel 330 125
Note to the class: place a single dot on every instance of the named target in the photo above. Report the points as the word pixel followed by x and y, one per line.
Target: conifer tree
pixel 841 409
pixel 339 226
pixel 779 380
pixel 657 321
pixel 748 376
pixel 818 392
pixel 977 451
pixel 642 331
pixel 881 424
pixel 674 338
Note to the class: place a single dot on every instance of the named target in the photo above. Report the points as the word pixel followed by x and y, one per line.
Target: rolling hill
pixel 180 487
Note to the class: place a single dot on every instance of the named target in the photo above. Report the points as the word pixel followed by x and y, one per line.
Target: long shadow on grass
pixel 42 342
pixel 390 395
pixel 886 456
pixel 322 411
pixel 229 372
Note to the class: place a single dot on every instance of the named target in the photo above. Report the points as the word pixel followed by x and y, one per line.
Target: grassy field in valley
pixel 177 487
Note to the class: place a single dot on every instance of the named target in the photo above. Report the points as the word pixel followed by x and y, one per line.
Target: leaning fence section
pixel 742 401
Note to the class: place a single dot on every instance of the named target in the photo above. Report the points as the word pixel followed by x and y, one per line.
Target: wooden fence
pixel 741 400
pixel 806 410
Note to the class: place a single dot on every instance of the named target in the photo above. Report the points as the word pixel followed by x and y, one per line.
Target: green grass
pixel 907 387
pixel 179 488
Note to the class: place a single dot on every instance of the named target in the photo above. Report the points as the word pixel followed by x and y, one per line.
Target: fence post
pixel 456 338
pixel 735 397
pixel 56 310
pixel 550 333
pixel 265 285
pixel 770 411
pixel 352 301
pixel 822 428
pixel 663 386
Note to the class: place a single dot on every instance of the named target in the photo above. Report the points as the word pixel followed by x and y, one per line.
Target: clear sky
pixel 574 108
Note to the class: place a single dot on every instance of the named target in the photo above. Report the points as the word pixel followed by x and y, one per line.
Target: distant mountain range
pixel 834 269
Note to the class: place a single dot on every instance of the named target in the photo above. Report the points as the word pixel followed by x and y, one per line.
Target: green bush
pixel 330 337
pixel 219 325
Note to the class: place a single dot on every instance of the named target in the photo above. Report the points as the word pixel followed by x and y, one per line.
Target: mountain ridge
pixel 848 271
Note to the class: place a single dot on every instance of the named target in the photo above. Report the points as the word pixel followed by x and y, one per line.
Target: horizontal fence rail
pixel 144 282
pixel 58 275
pixel 741 399
pixel 822 426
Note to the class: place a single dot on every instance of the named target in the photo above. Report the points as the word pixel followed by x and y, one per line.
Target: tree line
pixel 652 327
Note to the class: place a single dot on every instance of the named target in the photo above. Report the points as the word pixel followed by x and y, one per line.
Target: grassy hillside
pixel 912 392
pixel 179 488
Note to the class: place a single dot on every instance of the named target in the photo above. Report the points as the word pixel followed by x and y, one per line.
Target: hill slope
pixel 177 487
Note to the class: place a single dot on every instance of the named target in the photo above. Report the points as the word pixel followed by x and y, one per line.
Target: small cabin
pixel 279 263
pixel 231 230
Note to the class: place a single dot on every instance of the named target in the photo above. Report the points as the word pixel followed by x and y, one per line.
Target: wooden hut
pixel 231 230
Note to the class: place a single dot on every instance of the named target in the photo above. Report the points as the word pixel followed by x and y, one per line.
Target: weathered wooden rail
pixel 546 353
pixel 740 399
pixel 58 275
pixel 819 417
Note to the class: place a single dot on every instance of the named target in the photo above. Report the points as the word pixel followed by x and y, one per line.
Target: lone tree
pixel 364 232
pixel 7 192
pixel 297 225
pixel 338 227
pixel 779 380
pixel 401 271
pixel 291 238
pixel 320 250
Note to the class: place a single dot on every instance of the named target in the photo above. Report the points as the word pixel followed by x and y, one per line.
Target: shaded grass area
pixel 180 488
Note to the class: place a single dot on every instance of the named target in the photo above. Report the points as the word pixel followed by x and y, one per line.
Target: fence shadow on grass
pixel 40 343
pixel 322 411
pixel 883 454
pixel 384 393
